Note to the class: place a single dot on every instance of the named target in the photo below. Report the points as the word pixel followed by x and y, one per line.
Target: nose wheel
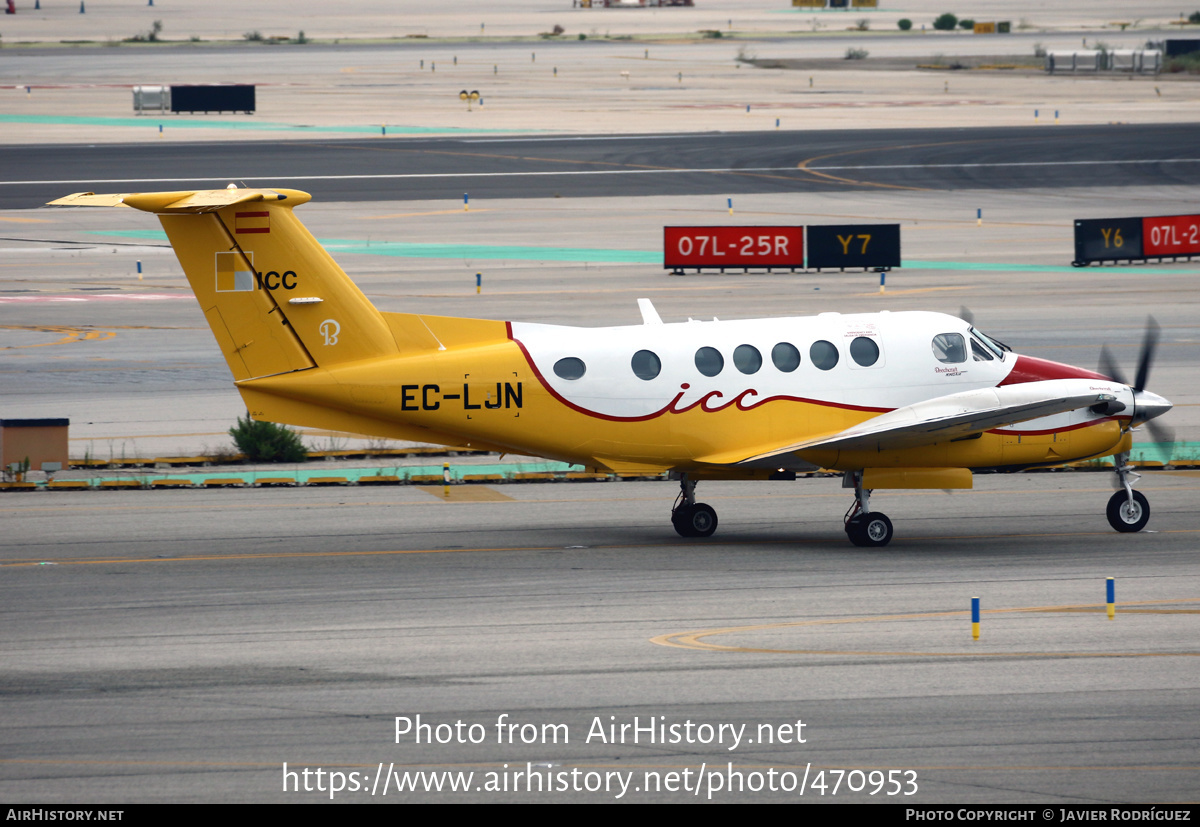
pixel 1128 510
pixel 1127 513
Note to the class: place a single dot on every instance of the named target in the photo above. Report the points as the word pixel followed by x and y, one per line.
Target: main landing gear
pixel 690 518
pixel 865 527
pixel 1128 510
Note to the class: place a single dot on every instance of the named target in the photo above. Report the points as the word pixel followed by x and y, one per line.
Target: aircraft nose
pixel 1148 406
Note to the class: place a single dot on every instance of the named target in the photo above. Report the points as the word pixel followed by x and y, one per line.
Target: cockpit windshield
pixel 981 344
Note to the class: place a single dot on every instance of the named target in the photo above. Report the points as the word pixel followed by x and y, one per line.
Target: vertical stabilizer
pixel 275 300
pixel 284 303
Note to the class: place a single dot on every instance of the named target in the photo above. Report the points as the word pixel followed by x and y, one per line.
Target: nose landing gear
pixel 1128 510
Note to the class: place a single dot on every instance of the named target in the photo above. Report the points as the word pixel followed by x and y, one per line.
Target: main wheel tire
pixel 1126 516
pixel 870 530
pixel 703 520
pixel 680 519
pixel 854 530
pixel 877 529
pixel 699 520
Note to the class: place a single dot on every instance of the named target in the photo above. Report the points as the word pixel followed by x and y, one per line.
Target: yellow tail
pixel 305 346
pixel 275 300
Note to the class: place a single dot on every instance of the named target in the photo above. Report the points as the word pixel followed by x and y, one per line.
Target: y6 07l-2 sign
pixel 1136 239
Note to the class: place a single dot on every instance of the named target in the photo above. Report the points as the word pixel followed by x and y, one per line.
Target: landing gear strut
pixel 690 518
pixel 1128 510
pixel 865 527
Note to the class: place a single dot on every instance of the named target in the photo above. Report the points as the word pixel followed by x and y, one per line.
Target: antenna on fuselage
pixel 649 314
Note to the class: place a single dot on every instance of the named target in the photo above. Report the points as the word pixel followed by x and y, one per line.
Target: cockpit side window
pixel 950 348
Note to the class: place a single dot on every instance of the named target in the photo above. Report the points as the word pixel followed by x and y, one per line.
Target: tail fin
pixel 275 300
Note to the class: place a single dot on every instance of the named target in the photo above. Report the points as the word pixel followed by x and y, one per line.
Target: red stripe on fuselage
pixel 1033 369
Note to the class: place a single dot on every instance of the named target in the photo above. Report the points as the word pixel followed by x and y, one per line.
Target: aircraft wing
pixel 952 417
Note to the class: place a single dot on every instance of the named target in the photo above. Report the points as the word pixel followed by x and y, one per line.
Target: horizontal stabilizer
pixel 187 201
pixel 90 199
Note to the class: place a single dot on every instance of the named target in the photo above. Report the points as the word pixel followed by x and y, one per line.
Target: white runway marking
pixel 531 173
pixel 93 297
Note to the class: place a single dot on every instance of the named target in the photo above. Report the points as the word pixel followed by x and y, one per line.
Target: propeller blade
pixel 1149 345
pixel 1108 366
pixel 1162 444
pixel 1162 434
pixel 966 315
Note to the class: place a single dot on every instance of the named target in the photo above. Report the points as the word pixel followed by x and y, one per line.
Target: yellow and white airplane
pixel 892 400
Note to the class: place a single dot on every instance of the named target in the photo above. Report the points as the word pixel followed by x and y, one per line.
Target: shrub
pixel 1189 63
pixel 267 442
pixel 967 25
pixel 1194 17
pixel 255 36
pixel 904 23
pixel 863 25
pixel 945 22
pixel 150 36
pixel 856 54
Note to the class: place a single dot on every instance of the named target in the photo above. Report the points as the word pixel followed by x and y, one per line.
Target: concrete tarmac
pixel 633 73
pixel 111 21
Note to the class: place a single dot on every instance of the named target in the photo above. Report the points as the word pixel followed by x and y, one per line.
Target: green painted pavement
pixel 153 122
pixel 302 475
pixel 496 252
pixel 1150 451
pixel 1162 451
pixel 507 252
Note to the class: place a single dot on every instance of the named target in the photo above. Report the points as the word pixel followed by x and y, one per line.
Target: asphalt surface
pixel 183 646
pixel 582 166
